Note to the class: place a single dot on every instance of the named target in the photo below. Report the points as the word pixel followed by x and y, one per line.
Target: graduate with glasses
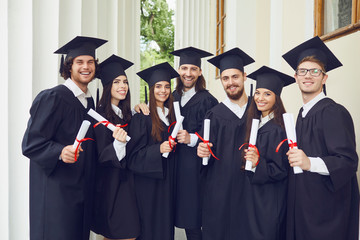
pixel 323 201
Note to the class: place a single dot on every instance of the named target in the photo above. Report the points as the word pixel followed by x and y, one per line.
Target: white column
pixel 276 30
pixel 4 133
pixel 20 46
pixel 45 42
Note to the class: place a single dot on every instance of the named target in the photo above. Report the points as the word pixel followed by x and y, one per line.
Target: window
pixel 220 27
pixel 336 18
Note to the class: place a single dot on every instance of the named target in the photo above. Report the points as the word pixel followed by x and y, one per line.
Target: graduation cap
pixel 113 67
pixel 191 55
pixel 234 58
pixel 271 79
pixel 313 47
pixel 80 45
pixel 160 72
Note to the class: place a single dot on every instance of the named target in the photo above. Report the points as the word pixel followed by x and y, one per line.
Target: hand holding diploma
pixel 173 135
pixel 70 153
pixel 291 137
pixel 105 122
pixel 252 142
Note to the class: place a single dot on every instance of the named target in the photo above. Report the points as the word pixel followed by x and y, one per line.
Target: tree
pixel 157 35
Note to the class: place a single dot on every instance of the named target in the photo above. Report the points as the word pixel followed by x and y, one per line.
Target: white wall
pixel 30 32
pixel 4 133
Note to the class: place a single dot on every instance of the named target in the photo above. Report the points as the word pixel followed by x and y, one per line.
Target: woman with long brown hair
pixel 265 197
pixel 115 214
pixel 154 174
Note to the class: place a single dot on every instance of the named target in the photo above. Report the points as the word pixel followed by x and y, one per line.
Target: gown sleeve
pixel 339 142
pixel 107 154
pixel 144 157
pixel 38 142
pixel 273 166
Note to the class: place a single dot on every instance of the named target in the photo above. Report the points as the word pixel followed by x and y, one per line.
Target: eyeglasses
pixel 315 72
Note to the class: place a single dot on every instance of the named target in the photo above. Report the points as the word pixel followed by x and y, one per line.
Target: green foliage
pixel 156 26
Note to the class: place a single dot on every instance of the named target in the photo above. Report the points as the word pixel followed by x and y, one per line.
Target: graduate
pixel 323 201
pixel 115 211
pixel 225 180
pixel 154 174
pixel 61 189
pixel 194 101
pixel 266 200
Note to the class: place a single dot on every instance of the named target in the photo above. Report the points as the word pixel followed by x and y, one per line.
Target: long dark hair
pixel 124 105
pixel 278 109
pixel 157 126
pixel 200 85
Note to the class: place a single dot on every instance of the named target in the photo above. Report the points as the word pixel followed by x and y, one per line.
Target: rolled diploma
pixel 100 118
pixel 252 140
pixel 291 134
pixel 206 137
pixel 175 132
pixel 81 133
pixel 177 112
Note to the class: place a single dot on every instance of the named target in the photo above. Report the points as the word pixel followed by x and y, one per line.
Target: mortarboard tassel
pixel 146 98
pixel 251 89
pixel 324 89
pixel 61 64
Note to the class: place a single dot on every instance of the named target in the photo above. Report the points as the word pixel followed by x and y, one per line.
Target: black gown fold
pixel 116 214
pixel 154 180
pixel 188 199
pixel 61 194
pixel 320 206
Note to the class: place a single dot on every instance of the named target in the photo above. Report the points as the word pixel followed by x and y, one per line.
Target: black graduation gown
pixel 60 193
pixel 266 205
pixel 116 214
pixel 319 206
pixel 223 202
pixel 154 180
pixel 187 196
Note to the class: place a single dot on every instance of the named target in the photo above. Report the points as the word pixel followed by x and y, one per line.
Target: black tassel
pixel 251 89
pixel 146 97
pixel 97 95
pixel 61 64
pixel 324 89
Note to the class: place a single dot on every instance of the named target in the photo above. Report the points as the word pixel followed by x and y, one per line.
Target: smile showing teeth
pixel 85 73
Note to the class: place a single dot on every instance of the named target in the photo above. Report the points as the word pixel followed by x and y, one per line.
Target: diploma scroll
pixel 252 140
pixel 177 112
pixel 81 133
pixel 291 134
pixel 100 118
pixel 205 160
pixel 175 132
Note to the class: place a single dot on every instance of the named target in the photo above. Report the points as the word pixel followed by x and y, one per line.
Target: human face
pixel 83 70
pixel 119 89
pixel 265 100
pixel 189 74
pixel 308 84
pixel 233 82
pixel 161 92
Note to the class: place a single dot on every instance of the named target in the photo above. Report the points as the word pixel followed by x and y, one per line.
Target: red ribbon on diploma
pixel 170 126
pixel 291 144
pixel 254 147
pixel 106 123
pixel 207 143
pixel 80 141
pixel 172 139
